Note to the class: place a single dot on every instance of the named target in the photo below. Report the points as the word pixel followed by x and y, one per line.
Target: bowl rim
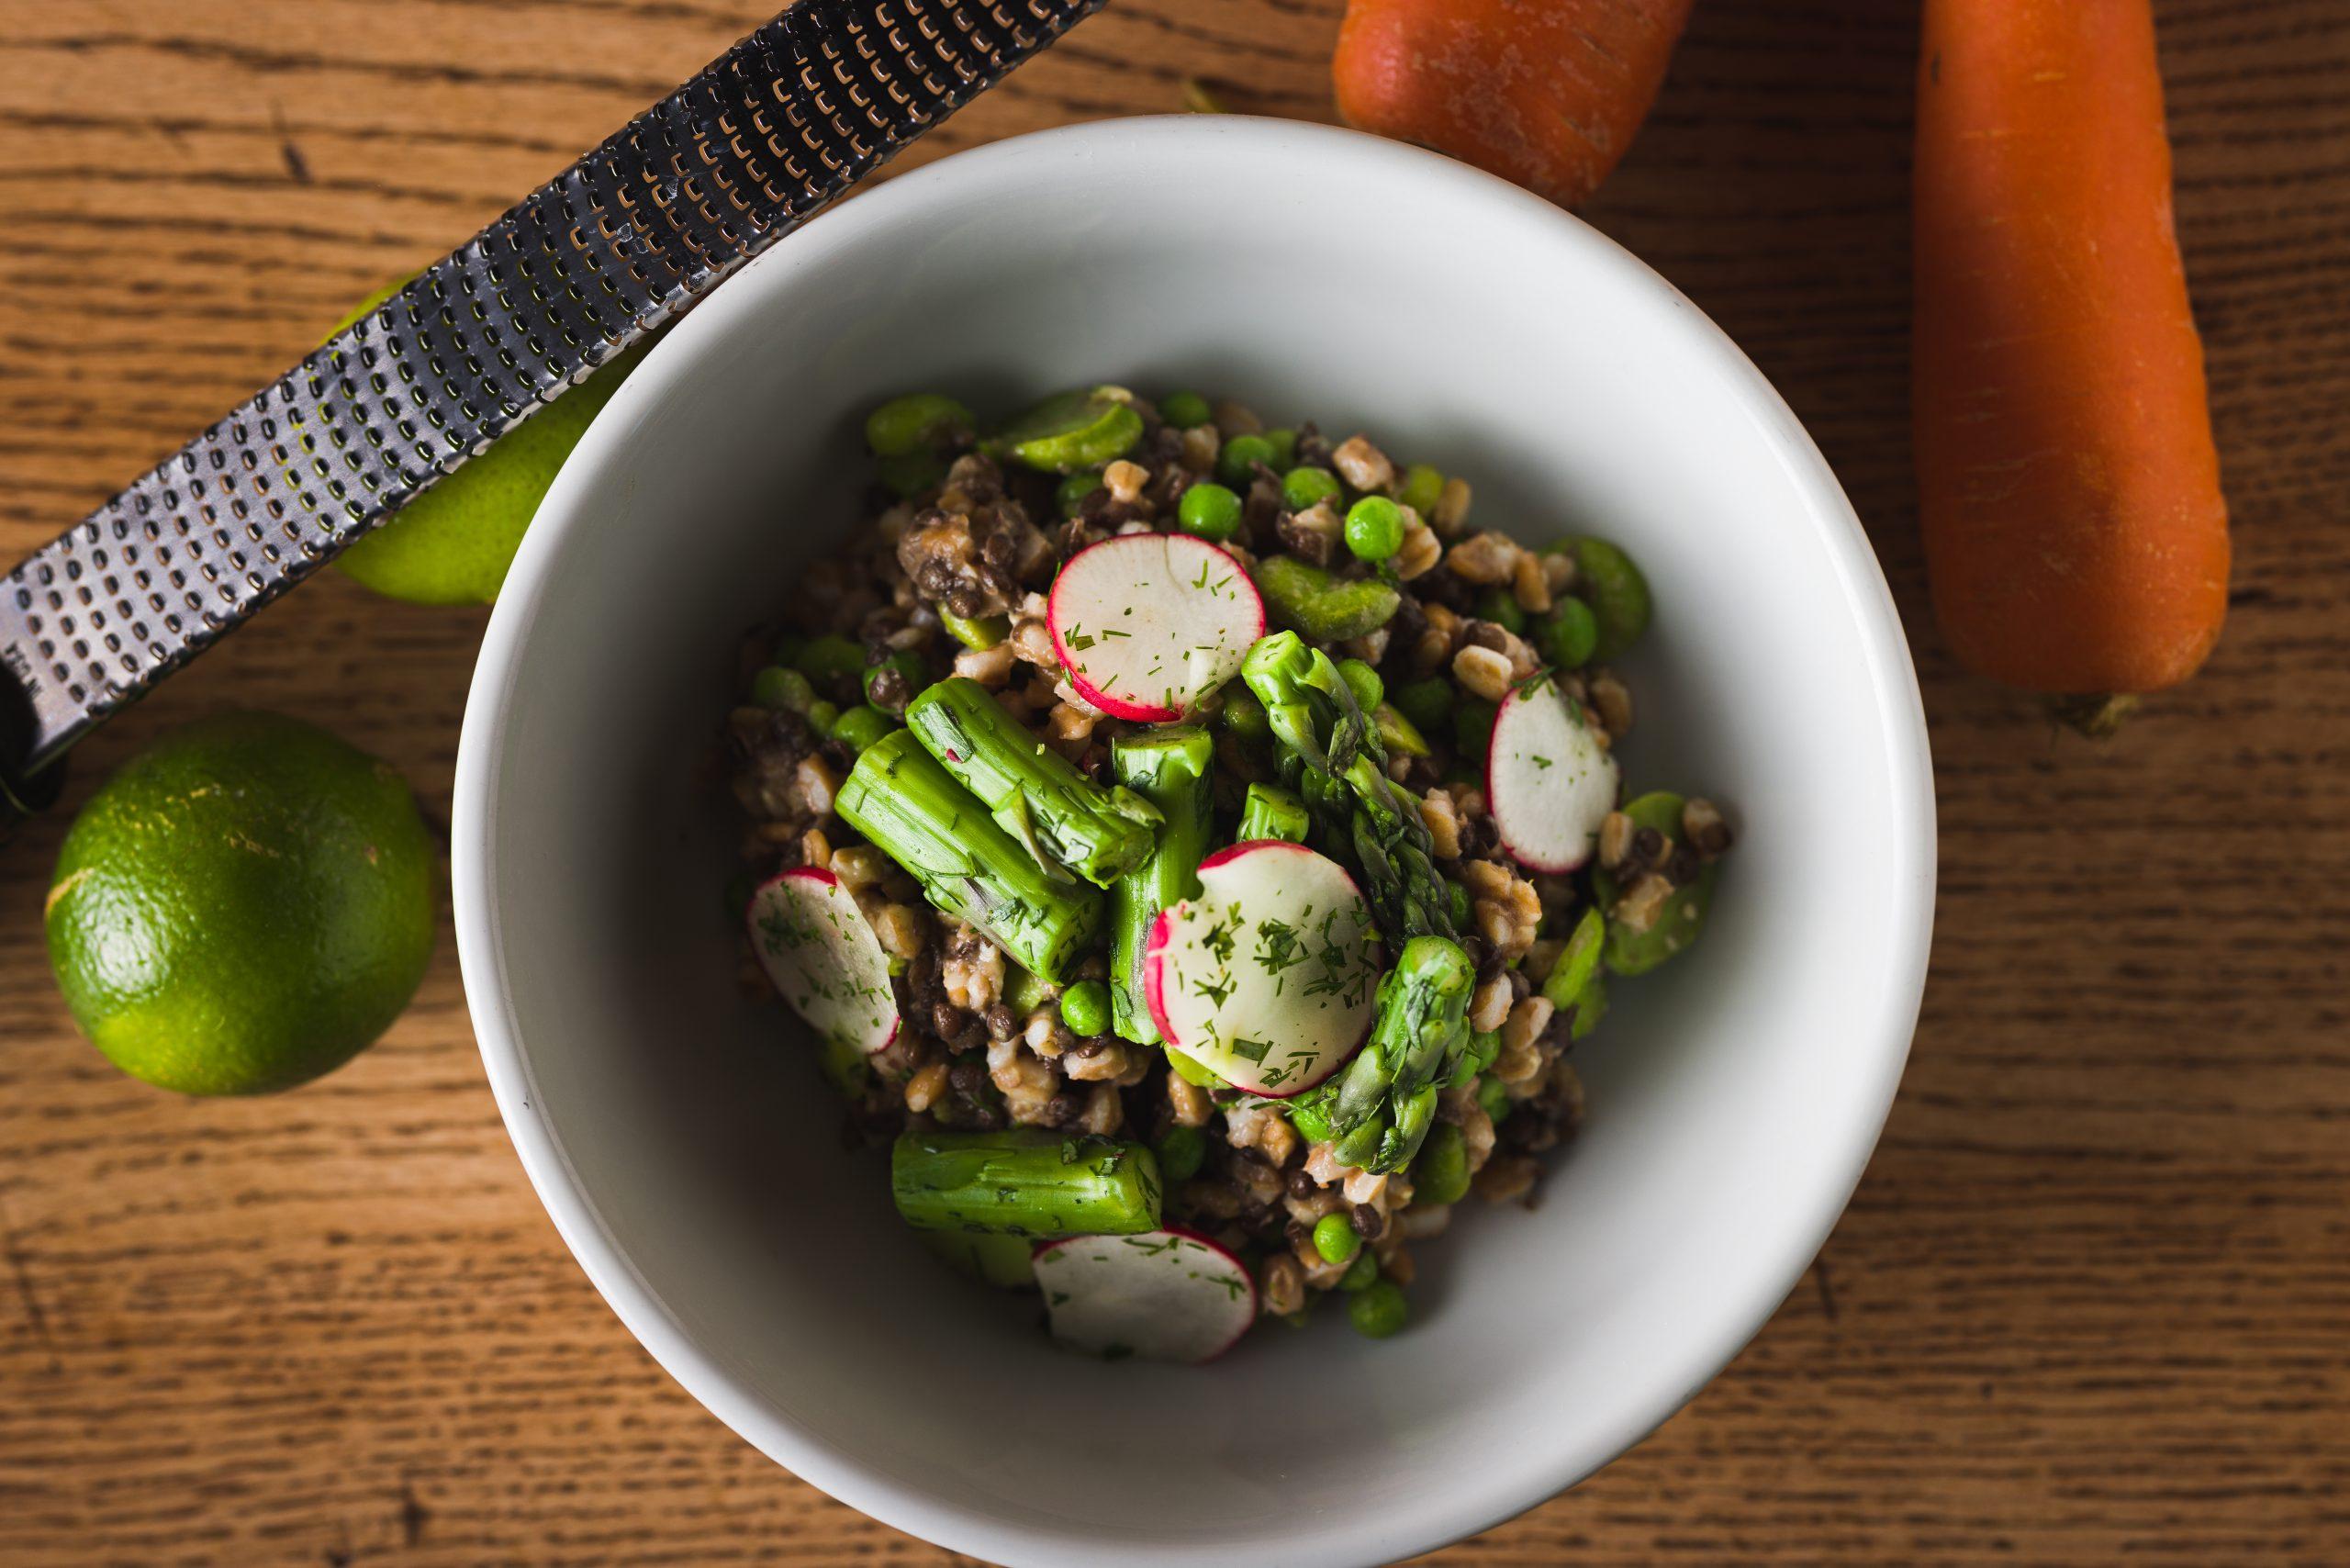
pixel 805 1451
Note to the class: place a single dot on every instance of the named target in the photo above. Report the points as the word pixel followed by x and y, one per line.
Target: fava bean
pixel 1185 410
pixel 1071 432
pixel 1569 635
pixel 1310 601
pixel 1677 925
pixel 1440 1174
pixel 1378 1310
pixel 1618 596
pixel 916 423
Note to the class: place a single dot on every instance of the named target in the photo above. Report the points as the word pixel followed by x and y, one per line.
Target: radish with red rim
pixel 1267 979
pixel 821 952
pixel 1163 1296
pixel 1147 624
pixel 1548 781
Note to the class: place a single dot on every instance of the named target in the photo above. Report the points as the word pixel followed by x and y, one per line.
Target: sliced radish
pixel 1165 1295
pixel 1266 978
pixel 1147 624
pixel 822 953
pixel 1549 782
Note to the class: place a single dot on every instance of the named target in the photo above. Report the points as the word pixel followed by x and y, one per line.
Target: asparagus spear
pixel 1169 769
pixel 1272 811
pixel 1034 792
pixel 899 798
pixel 1381 1107
pixel 1333 757
pixel 1377 1112
pixel 1024 1182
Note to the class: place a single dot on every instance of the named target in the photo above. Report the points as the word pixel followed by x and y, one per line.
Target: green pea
pixel 1492 1096
pixel 831 659
pixel 1472 726
pixel 1569 634
pixel 1578 961
pixel 1361 1274
pixel 1243 714
pixel 1085 1007
pixel 1284 443
pixel 1421 485
pixel 984 633
pixel 907 663
pixel 1501 607
pixel 1301 488
pixel 1618 594
pixel 823 716
pixel 1378 1310
pixel 862 725
pixel 1181 1153
pixel 1185 410
pixel 1440 1175
pixel 1210 511
pixel 1335 1238
pixel 907 424
pixel 777 687
pixel 1426 702
pixel 1364 682
pixel 1374 528
pixel 1070 497
pixel 1677 925
pixel 1237 463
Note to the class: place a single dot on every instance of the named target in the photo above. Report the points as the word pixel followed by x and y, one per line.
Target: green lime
pixel 243 907
pixel 453 543
pixel 1071 432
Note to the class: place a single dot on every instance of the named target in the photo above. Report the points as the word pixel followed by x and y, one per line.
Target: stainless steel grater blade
pixel 759 140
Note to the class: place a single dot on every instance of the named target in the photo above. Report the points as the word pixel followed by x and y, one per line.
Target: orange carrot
pixel 2069 491
pixel 1544 93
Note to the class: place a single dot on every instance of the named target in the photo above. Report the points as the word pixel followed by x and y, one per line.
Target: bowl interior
pixel 681 1136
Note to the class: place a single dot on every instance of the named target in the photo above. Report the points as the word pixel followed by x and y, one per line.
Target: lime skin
pixel 455 543
pixel 243 907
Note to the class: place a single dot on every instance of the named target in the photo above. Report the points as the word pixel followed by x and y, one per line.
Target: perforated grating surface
pixel 689 190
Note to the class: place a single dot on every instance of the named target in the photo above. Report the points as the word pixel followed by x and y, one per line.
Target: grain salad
pixel 1197 847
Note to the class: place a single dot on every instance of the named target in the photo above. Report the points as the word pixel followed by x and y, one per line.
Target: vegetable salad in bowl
pixel 1198 847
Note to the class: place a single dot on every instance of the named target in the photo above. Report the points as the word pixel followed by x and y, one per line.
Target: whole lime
pixel 245 905
pixel 453 543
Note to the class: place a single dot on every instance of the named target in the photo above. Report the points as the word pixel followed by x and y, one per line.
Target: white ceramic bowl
pixel 681 1139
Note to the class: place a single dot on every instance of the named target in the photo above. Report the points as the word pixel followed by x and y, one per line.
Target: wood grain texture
pixel 2092 1302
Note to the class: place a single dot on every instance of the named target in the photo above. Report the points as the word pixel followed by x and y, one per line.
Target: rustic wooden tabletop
pixel 2092 1300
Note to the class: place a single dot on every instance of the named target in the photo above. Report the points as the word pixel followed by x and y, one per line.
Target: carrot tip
pixel 2098 715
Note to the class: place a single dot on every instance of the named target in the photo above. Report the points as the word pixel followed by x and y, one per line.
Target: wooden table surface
pixel 2091 1302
